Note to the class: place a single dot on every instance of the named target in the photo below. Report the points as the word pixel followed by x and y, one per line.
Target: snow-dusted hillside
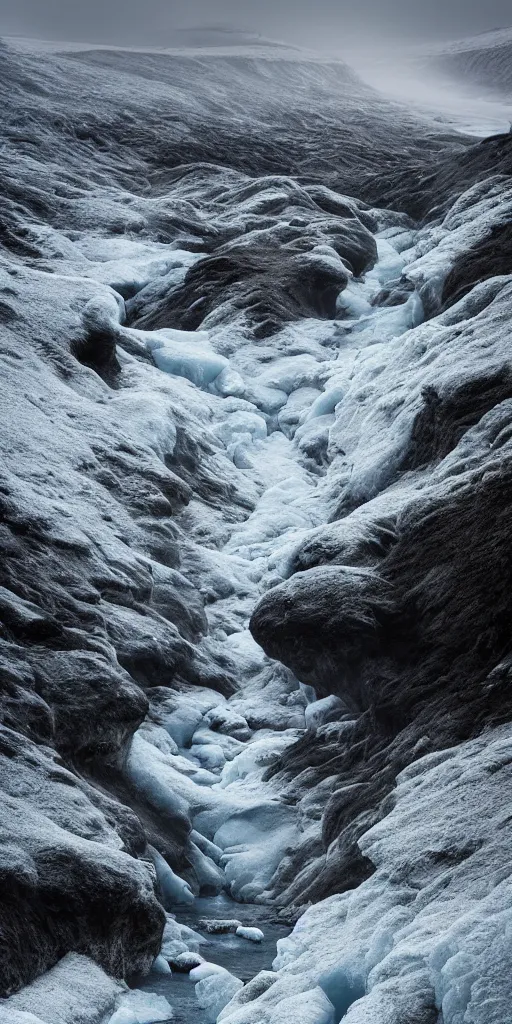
pixel 256 408
pixel 464 84
pixel 482 60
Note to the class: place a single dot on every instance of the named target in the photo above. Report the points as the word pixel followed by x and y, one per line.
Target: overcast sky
pixel 303 21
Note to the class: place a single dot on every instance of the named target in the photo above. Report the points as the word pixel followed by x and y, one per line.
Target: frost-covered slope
pixel 483 60
pixel 465 84
pixel 238 380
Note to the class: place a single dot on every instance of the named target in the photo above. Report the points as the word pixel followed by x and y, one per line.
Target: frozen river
pixel 242 958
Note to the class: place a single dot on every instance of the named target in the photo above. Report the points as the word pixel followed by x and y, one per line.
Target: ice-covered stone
pixel 183 963
pixel 214 987
pixel 160 965
pixel 137 1007
pixel 75 991
pixel 251 934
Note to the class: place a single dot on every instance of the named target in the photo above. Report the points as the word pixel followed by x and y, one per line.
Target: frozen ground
pixel 256 480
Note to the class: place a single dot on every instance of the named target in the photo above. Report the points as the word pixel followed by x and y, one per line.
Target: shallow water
pixel 244 959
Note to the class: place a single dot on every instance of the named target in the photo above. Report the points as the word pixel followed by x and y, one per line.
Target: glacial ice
pixel 241 427
pixel 209 876
pixel 183 963
pixel 224 720
pixel 251 761
pixel 321 711
pixel 138 1007
pixel 229 746
pixel 160 965
pixel 252 934
pixel 229 383
pixel 206 847
pixel 313 1007
pixel 421 937
pixel 185 354
pixel 178 939
pixel 175 786
pixel 182 720
pixel 297 406
pixel 174 888
pixel 128 274
pixel 290 373
pixel 210 755
pixel 326 403
pixel 140 767
pixel 254 841
pixel 267 398
pixel 236 813
pixel 215 987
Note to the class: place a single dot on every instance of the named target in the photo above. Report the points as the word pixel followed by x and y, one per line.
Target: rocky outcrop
pixel 288 274
pixel 401 604
pixel 490 258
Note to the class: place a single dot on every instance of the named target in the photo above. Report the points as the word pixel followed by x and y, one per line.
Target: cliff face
pixel 231 386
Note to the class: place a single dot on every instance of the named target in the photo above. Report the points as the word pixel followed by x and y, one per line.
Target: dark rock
pixel 273 280
pixel 491 257
pixel 323 623
pixel 218 927
pixel 447 415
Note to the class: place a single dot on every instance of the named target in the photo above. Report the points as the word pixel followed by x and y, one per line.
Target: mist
pixel 325 23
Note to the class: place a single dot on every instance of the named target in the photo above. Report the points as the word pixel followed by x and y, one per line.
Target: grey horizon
pixel 128 22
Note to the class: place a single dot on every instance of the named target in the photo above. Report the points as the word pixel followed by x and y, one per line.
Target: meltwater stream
pixel 241 958
pixel 221 773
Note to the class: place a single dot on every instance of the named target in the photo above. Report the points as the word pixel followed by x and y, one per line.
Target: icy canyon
pixel 255 573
